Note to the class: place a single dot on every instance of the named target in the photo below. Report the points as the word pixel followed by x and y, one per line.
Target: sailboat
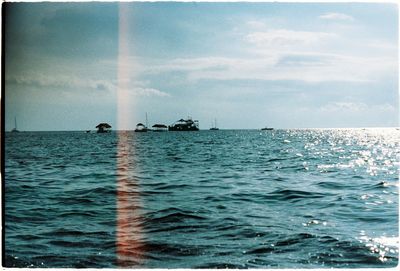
pixel 15 130
pixel 215 125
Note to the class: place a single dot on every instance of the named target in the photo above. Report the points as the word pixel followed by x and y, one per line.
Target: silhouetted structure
pixel 160 128
pixel 103 128
pixel 184 125
pixel 140 127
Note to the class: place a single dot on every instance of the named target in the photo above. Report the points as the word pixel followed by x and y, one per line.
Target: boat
pixel 140 127
pixel 267 129
pixel 184 125
pixel 15 130
pixel 103 128
pixel 214 128
pixel 160 128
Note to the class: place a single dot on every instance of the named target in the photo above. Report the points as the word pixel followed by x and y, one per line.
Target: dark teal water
pixel 208 199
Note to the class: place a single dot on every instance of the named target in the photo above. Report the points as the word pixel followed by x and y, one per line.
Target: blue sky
pixel 249 65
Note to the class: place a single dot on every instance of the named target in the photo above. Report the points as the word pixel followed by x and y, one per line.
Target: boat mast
pixel 15 123
pixel 146 120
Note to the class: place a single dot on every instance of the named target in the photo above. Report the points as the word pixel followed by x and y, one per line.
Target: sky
pixel 70 66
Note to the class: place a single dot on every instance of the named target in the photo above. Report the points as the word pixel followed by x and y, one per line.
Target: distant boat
pixel 140 127
pixel 267 129
pixel 184 125
pixel 15 130
pixel 160 128
pixel 214 128
pixel 103 128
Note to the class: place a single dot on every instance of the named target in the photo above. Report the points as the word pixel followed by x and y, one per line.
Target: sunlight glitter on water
pixel 202 200
pixel 383 247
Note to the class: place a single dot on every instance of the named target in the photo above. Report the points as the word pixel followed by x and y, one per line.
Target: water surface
pixel 208 199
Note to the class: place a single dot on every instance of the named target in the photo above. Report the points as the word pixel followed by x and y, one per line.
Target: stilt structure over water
pixel 103 128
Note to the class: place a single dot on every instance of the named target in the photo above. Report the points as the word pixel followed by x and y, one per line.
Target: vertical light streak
pixel 124 69
pixel 129 243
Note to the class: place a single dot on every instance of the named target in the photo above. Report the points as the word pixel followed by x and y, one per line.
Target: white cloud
pixel 60 82
pixel 382 46
pixel 357 107
pixel 69 84
pixel 285 37
pixel 336 16
pixel 344 106
pixel 191 64
pixel 308 67
pixel 148 92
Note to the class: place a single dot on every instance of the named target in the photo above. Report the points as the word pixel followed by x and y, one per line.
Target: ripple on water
pixel 231 199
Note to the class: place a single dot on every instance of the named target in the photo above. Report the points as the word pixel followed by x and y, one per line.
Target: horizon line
pixel 227 129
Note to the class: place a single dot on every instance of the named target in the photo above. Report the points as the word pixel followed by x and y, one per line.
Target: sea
pixel 296 198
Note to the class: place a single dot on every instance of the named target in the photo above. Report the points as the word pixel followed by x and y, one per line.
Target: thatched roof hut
pixel 103 127
pixel 159 126
pixel 140 127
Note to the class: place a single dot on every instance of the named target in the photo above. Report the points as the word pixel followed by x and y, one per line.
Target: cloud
pixel 60 81
pixel 191 64
pixel 302 60
pixel 384 46
pixel 73 83
pixel 149 92
pixel 357 107
pixel 336 16
pixel 285 37
pixel 306 67
pixel 344 106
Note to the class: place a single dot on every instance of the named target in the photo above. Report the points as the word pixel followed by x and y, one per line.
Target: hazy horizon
pixel 70 66
pixel 230 129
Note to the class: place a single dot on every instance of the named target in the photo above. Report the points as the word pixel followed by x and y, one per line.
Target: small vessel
pixel 184 125
pixel 214 128
pixel 103 128
pixel 160 128
pixel 140 127
pixel 15 130
pixel 267 129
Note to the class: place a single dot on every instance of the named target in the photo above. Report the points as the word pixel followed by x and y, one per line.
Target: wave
pixel 233 199
pixel 175 217
pixel 295 195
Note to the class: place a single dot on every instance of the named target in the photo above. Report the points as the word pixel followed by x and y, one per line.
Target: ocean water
pixel 207 199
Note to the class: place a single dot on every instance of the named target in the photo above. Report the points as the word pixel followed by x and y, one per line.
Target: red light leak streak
pixel 129 243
